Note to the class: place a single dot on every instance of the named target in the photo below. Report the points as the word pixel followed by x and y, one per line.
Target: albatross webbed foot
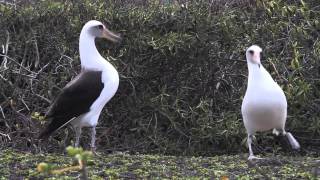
pixel 252 158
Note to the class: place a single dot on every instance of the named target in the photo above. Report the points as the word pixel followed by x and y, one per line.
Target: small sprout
pixel 78 153
pixel 73 151
pixel 90 162
pixel 43 167
pixel 41 118
pixel 79 157
pixel 37 116
pixel 86 155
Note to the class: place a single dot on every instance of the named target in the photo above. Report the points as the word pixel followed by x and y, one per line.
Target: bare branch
pixel 36 64
pixel 5 51
pixel 43 98
pixel 5 135
pixel 2 112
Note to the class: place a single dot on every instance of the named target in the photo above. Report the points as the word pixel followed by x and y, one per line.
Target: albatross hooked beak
pixel 106 33
pixel 256 57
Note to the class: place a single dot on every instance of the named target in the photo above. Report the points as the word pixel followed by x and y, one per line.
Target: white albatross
pixel 264 106
pixel 82 100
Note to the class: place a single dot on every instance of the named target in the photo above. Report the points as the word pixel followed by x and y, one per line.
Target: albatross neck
pixel 255 71
pixel 89 56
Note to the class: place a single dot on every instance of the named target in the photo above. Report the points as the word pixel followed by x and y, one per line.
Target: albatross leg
pixel 93 139
pixel 293 142
pixel 78 133
pixel 249 141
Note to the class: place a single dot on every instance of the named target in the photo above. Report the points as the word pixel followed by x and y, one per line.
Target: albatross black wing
pixel 75 99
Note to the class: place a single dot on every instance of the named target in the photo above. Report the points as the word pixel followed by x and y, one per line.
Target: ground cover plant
pixel 138 166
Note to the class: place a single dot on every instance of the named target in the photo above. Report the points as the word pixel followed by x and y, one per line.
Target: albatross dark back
pixel 74 100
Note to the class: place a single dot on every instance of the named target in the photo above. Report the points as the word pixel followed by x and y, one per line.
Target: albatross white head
pixel 89 55
pixel 253 55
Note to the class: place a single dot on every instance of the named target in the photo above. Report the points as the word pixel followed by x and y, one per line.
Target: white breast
pixel 264 106
pixel 110 79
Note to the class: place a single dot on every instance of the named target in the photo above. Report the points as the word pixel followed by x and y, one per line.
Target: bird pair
pixel 81 101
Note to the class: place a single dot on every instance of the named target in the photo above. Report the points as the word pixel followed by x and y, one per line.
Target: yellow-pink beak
pixel 106 33
pixel 256 57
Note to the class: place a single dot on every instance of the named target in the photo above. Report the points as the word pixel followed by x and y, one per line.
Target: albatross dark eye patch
pixel 100 27
pixel 251 52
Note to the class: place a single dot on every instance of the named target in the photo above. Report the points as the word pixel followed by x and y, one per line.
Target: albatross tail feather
pixel 293 142
pixel 44 134
pixel 55 124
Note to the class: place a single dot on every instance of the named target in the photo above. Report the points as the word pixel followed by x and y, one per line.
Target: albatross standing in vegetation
pixel 264 106
pixel 82 100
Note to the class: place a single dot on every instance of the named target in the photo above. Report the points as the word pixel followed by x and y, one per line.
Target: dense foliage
pixel 182 70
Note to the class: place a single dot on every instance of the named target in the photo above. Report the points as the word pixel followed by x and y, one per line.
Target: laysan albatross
pixel 81 101
pixel 264 105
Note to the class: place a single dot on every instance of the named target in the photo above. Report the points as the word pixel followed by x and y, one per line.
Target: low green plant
pixel 78 154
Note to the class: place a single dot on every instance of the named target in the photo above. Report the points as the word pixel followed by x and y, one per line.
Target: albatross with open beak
pixel 264 106
pixel 82 100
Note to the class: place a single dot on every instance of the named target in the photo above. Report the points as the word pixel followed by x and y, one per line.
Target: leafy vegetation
pixel 181 66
